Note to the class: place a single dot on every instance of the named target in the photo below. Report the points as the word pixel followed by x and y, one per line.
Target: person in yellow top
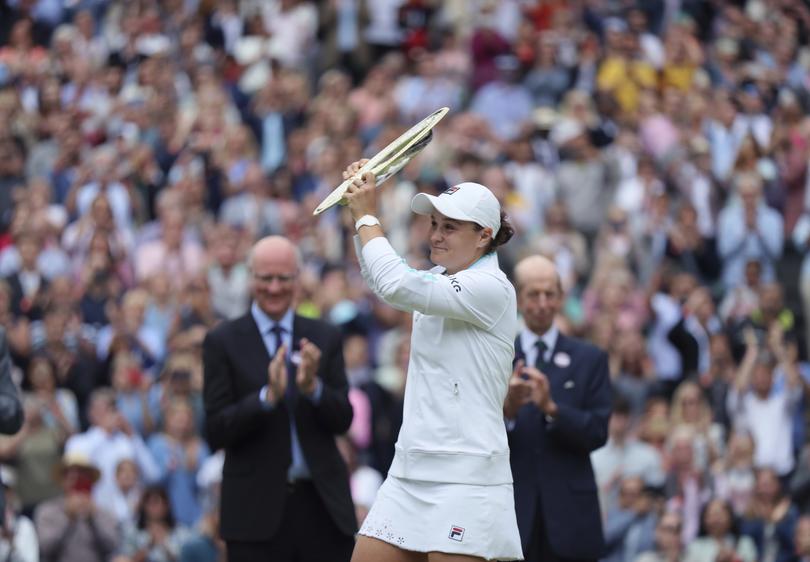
pixel 623 73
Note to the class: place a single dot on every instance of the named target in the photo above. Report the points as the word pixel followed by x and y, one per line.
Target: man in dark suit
pixel 285 488
pixel 557 411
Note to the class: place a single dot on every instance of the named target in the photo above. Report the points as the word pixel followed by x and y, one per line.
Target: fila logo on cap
pixel 456 533
pixel 451 190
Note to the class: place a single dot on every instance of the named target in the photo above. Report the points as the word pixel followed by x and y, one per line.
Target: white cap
pixel 466 201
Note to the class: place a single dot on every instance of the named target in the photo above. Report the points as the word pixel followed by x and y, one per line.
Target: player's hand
pixel 277 376
pixel 361 195
pixel 517 394
pixel 310 359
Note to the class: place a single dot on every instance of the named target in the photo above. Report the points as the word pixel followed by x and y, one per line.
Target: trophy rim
pixel 387 155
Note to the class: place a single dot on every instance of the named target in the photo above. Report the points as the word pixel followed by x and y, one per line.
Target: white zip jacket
pixel 462 346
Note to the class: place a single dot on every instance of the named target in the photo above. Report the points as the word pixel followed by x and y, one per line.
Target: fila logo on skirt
pixel 456 533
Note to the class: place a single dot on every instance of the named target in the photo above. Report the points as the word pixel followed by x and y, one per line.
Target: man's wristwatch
pixel 366 220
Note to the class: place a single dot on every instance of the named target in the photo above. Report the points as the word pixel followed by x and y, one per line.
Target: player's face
pixel 539 301
pixel 455 245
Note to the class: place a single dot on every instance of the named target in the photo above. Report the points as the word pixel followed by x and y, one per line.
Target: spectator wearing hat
pixel 72 527
pixel 545 151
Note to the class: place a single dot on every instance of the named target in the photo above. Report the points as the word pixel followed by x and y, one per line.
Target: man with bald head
pixel 556 411
pixel 276 397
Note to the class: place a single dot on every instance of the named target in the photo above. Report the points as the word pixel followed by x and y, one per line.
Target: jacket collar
pixel 264 323
pixel 528 338
pixel 487 261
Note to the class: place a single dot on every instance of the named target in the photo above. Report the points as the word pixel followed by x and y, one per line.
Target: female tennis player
pixel 448 495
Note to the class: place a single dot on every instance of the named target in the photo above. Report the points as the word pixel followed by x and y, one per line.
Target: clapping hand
pixel 519 392
pixel 308 367
pixel 78 505
pixel 277 376
pixel 540 394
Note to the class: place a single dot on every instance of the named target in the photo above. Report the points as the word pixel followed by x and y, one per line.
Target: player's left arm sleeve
pixel 585 429
pixel 477 297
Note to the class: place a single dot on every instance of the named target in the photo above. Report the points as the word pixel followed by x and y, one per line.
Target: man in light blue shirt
pixel 749 230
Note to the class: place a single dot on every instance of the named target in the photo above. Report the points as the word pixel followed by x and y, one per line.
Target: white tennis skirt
pixel 453 518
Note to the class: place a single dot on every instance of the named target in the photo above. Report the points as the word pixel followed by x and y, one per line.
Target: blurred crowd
pixel 657 151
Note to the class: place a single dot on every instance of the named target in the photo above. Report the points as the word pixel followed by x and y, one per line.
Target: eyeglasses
pixel 283 279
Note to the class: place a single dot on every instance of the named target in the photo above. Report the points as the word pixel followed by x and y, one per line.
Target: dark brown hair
pixel 505 233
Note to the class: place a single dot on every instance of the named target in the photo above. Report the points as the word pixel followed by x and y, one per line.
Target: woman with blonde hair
pixel 690 408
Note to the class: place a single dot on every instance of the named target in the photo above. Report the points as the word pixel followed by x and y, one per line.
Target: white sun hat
pixel 466 201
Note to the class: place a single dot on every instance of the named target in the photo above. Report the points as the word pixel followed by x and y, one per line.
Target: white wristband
pixel 366 220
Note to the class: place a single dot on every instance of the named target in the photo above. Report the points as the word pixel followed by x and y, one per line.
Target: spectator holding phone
pixel 72 527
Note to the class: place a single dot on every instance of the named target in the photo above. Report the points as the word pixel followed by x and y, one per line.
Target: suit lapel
pixel 559 373
pixel 253 347
pixel 300 330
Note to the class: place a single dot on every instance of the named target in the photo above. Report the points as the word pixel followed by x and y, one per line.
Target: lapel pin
pixel 562 359
pixel 568 384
